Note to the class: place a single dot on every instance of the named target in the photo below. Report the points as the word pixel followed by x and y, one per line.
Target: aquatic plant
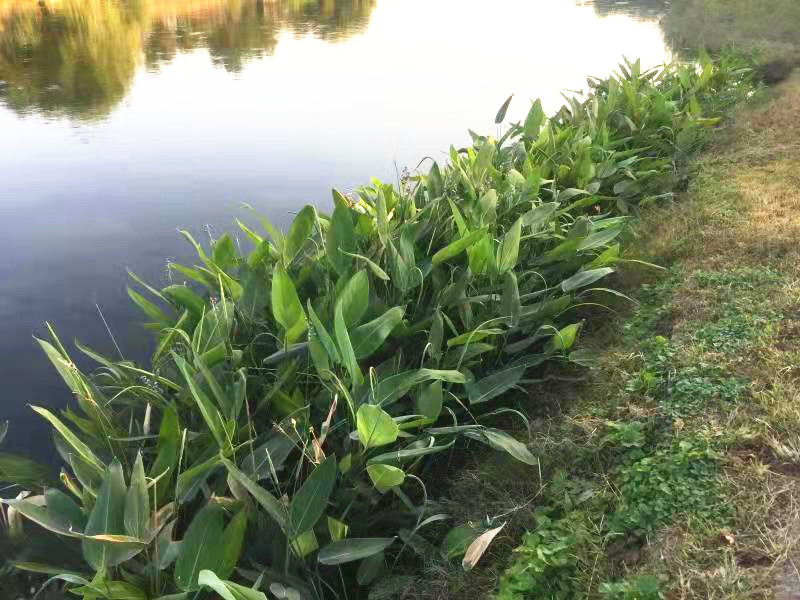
pixel 303 380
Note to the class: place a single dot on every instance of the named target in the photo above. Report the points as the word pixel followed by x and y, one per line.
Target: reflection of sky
pixel 81 201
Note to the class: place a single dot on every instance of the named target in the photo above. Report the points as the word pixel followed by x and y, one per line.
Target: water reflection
pixel 639 9
pixel 78 57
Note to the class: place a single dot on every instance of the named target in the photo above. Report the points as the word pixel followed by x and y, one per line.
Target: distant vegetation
pixel 78 57
pixel 305 382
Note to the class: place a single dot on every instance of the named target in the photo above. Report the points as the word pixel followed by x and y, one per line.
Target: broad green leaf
pixel 81 449
pixel 270 503
pixel 500 440
pixel 385 477
pixel 111 590
pixel 345 346
pixel 210 414
pixel 183 297
pixel 396 386
pixel 470 337
pixel 286 307
pixel 539 215
pixel 148 308
pixel 215 327
pixel 406 454
pixel 340 236
pixel 584 278
pixel 309 502
pixel 534 120
pixel 34 508
pixel 430 400
pixel 600 238
pixel 23 472
pixel 375 426
pixel 167 448
pixel 510 305
pixel 371 568
pixel 137 502
pixel 354 298
pixel 305 543
pixel 224 254
pixel 231 543
pixel 351 549
pixel 227 589
pixel 323 335
pixel 201 547
pixel 501 114
pixel 107 518
pixel 337 529
pixel 495 384
pixel 366 339
pixel 455 248
pixel 508 252
pixel 299 231
pixel 376 270
pixel 564 339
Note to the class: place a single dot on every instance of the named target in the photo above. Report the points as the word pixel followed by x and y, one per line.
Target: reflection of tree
pixel 78 57
pixel 640 9
pixel 76 60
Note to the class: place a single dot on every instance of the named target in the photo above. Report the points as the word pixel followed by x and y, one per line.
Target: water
pixel 122 121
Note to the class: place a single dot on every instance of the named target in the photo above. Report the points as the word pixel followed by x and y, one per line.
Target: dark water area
pixel 123 121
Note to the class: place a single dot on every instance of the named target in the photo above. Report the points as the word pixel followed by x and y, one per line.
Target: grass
pixel 675 472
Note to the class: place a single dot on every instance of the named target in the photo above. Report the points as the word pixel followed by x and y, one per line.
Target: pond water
pixel 121 121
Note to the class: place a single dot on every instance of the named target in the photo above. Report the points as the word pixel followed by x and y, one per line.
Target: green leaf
pixel 396 386
pixel 323 335
pixel 137 503
pixel 351 549
pixel 23 472
pixel 299 232
pixel 385 477
pixel 375 426
pixel 224 254
pixel 337 529
pixel 341 236
pixel 215 326
pixel 458 540
pixel 81 449
pixel 500 440
pixel 368 338
pixel 455 248
pixel 167 448
pixel 584 278
pixel 508 252
pixel 209 412
pixel 107 517
pixel 401 456
pixel 149 309
pixel 309 503
pixel 564 339
pixel 345 346
pixel 270 503
pixel 599 238
pixel 227 589
pixel 354 298
pixel 534 120
pixel 510 305
pixel 501 114
pixel 371 568
pixel 430 400
pixel 539 215
pixel 376 270
pixel 495 384
pixel 286 307
pixel 232 540
pixel 201 547
pixel 183 297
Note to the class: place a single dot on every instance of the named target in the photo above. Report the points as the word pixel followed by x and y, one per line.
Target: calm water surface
pixel 122 121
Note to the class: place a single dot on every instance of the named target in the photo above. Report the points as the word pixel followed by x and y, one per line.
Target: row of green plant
pixel 303 383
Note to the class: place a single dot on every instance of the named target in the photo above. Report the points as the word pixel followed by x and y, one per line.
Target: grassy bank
pixel 673 469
